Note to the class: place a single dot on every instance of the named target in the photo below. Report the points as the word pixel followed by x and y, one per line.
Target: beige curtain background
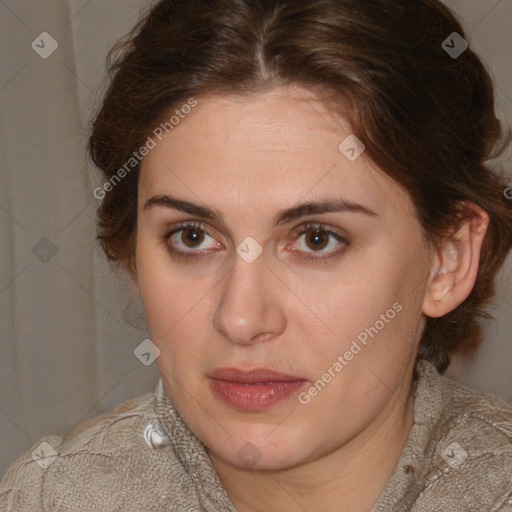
pixel 68 325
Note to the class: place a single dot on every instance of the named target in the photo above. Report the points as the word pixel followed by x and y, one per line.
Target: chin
pixel 259 452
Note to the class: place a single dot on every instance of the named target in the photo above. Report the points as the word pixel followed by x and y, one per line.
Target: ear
pixel 455 266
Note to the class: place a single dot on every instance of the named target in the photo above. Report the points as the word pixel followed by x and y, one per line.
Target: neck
pixel 349 478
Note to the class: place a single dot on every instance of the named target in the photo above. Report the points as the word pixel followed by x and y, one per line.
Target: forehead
pixel 264 150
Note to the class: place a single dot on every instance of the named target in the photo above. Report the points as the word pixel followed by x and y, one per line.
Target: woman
pixel 300 191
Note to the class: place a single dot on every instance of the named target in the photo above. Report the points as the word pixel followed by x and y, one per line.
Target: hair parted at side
pixel 426 119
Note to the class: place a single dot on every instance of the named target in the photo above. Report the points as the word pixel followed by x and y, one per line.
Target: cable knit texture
pixel 142 457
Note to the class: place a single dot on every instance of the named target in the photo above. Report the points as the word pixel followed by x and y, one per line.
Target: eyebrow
pixel 330 205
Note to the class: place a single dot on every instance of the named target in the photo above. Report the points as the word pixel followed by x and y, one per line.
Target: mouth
pixel 253 390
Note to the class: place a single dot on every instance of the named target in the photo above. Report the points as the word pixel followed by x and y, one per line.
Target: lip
pixel 253 390
pixel 257 375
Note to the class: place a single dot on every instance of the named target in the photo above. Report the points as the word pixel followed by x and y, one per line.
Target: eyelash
pixel 199 226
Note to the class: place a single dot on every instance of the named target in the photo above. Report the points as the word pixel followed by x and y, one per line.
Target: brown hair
pixel 427 118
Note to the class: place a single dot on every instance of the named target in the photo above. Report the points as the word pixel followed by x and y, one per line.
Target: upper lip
pixel 257 375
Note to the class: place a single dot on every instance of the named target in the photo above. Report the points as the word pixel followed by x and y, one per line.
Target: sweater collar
pixel 430 413
pixel 192 453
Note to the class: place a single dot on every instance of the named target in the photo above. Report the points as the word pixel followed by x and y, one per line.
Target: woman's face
pixel 277 251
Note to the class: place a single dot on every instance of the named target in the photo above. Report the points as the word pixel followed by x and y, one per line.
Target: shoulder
pixel 471 462
pixel 102 464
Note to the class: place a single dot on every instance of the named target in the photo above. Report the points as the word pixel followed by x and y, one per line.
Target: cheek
pixel 177 321
pixel 348 301
pixel 175 308
pixel 171 296
pixel 367 315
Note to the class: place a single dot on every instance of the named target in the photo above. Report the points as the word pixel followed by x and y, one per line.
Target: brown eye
pixel 191 241
pixel 192 237
pixel 317 240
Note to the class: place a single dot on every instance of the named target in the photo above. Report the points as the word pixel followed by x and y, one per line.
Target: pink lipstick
pixel 253 390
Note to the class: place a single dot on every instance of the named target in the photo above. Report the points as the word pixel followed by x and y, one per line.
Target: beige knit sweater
pixel 142 457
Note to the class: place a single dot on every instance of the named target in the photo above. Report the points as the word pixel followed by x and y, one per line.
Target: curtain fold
pixel 67 353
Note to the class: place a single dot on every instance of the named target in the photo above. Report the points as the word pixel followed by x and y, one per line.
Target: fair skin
pixel 248 159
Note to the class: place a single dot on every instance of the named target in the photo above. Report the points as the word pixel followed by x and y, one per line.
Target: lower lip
pixel 254 397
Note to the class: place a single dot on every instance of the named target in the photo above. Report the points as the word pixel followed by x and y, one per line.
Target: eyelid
pixel 318 226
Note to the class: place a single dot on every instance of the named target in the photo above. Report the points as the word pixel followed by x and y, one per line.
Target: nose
pixel 250 309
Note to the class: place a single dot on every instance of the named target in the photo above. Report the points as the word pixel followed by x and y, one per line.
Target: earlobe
pixel 455 265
